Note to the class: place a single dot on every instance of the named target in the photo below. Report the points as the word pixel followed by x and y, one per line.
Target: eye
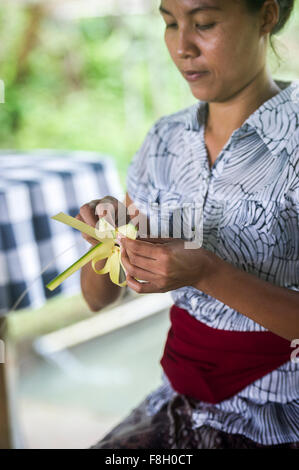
pixel 201 27
pixel 204 27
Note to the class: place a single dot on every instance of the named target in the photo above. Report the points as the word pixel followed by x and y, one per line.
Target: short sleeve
pixel 139 170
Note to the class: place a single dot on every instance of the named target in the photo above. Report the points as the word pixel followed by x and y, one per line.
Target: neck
pixel 225 117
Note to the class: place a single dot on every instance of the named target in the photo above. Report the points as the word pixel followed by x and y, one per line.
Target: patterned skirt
pixel 171 428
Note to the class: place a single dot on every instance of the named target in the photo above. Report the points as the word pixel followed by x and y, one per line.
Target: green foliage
pixel 94 84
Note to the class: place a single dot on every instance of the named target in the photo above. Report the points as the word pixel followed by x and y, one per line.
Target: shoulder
pixel 164 133
pixel 277 124
pixel 184 119
pixel 277 121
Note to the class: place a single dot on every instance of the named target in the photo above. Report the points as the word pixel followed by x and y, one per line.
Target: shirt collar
pixel 275 121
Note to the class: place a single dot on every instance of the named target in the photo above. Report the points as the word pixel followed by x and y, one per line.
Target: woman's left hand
pixel 165 264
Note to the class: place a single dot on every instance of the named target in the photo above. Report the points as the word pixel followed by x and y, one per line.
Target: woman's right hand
pixel 108 208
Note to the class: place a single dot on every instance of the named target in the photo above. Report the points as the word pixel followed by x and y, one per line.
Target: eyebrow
pixel 191 12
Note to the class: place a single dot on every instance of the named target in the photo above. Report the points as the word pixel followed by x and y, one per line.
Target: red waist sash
pixel 213 365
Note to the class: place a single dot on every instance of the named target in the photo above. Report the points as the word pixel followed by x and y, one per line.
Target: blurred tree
pixel 94 83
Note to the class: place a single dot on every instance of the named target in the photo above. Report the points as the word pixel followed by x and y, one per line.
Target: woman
pixel 229 381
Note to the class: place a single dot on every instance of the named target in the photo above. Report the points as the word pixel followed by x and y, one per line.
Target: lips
pixel 193 75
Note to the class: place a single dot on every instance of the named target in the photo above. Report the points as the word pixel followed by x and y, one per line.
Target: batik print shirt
pixel 250 201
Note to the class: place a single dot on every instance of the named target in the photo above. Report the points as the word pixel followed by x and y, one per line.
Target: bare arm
pixel 275 308
pixel 98 291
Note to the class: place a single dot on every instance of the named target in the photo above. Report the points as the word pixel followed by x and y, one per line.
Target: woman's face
pixel 219 38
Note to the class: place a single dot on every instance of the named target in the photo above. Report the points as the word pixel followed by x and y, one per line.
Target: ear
pixel 269 16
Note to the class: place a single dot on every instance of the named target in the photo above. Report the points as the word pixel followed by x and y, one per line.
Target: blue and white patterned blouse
pixel 250 200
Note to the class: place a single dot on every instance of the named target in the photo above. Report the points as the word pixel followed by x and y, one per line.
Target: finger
pixel 88 216
pixel 136 271
pixel 142 262
pixel 141 288
pixel 142 248
pixel 155 240
pixel 107 210
pixel 93 204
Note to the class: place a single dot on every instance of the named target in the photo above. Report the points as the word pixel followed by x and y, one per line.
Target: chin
pixel 206 93
pixel 202 94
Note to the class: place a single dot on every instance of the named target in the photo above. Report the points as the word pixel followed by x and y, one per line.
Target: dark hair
pixel 285 6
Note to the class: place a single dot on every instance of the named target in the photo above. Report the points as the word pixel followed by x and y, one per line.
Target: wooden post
pixel 9 432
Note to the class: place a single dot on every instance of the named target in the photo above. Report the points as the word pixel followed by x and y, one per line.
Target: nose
pixel 186 46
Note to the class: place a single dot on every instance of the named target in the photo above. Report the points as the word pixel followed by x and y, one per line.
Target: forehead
pixel 194 6
pixel 190 4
